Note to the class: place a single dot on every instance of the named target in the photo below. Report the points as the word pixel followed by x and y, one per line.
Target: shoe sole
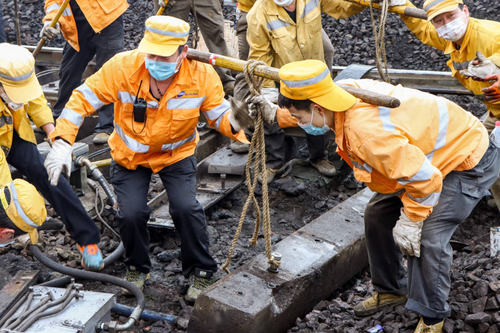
pixel 369 312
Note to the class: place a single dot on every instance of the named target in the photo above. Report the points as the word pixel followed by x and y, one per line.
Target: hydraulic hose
pixel 106 326
pixel 126 310
pixel 96 174
pixel 65 280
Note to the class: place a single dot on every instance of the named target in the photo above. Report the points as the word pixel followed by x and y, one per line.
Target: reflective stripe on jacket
pixel 169 133
pixel 481 35
pixel 99 14
pixel 276 40
pixel 19 121
pixel 410 148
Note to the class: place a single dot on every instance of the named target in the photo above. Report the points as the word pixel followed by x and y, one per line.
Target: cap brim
pixel 162 50
pixel 28 91
pixel 449 8
pixel 337 100
pixel 33 236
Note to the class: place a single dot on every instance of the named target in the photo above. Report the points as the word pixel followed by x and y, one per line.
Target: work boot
pixel 423 328
pixel 91 257
pixel 201 279
pixel 377 302
pixel 239 147
pixel 135 277
pixel 325 167
pixel 100 138
pixel 270 173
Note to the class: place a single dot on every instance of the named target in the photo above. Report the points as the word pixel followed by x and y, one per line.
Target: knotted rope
pixel 379 35
pixel 257 146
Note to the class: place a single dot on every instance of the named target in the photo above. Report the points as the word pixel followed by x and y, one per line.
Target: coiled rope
pixel 257 146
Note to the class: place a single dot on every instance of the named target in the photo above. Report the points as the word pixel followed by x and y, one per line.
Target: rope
pixel 379 35
pixel 196 36
pixel 258 146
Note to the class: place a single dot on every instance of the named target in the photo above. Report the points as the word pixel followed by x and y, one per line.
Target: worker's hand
pixel 407 235
pixel 271 94
pixel 492 93
pixel 162 3
pixel 58 159
pixel 397 3
pixel 479 68
pixel 48 33
pixel 268 109
pixel 239 117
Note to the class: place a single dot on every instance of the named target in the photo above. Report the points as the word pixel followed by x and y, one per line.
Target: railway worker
pixel 283 31
pixel 157 135
pixel 22 97
pixel 90 28
pixel 451 29
pixel 429 162
pixel 23 208
pixel 209 18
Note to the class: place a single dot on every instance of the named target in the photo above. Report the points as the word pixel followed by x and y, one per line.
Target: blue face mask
pixel 161 70
pixel 313 130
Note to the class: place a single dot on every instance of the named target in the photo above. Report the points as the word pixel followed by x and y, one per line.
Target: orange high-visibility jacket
pixel 410 148
pixel 277 40
pixel 99 14
pixel 481 35
pixel 169 133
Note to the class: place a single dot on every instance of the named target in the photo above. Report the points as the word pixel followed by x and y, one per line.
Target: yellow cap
pixel 164 35
pixel 25 207
pixel 311 79
pixel 436 7
pixel 17 73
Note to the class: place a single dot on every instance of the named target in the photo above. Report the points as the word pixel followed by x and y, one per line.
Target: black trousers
pixel 104 45
pixel 131 188
pixel 24 156
pixel 275 146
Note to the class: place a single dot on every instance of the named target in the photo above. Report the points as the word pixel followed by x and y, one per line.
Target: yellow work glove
pixel 49 33
pixel 407 235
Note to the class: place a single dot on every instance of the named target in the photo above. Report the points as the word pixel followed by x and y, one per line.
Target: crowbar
pixel 272 74
pixel 160 11
pixel 402 10
pixel 52 24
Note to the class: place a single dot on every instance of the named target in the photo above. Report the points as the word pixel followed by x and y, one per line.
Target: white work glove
pixel 162 3
pixel 407 235
pixel 59 158
pixel 267 108
pixel 397 3
pixel 49 33
pixel 271 94
pixel 239 117
pixel 480 67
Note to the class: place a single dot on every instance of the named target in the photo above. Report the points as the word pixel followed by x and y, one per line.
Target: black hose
pixel 141 301
pixel 65 280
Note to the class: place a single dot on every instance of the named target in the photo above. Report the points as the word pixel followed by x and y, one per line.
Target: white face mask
pixel 453 30
pixel 13 106
pixel 283 3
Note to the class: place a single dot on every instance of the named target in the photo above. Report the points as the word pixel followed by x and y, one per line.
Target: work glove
pixel 492 93
pixel 397 3
pixel 48 33
pixel 407 235
pixel 268 109
pixel 239 117
pixel 271 94
pixel 480 68
pixel 58 159
pixel 162 3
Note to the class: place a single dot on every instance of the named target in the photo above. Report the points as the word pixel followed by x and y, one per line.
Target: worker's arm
pixel 98 90
pixel 258 37
pixel 340 9
pixel 392 156
pixel 424 30
pixel 39 112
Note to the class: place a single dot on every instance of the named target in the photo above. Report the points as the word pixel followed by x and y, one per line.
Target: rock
pixel 477 318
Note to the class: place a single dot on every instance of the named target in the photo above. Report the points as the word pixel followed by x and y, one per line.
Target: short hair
pixel 303 105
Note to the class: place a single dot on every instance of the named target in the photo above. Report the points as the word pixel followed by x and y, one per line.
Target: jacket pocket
pixel 313 22
pixel 109 6
pixel 184 123
pixel 282 40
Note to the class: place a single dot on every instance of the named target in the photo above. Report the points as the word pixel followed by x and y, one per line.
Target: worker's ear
pixel 184 52
pixel 6 235
pixel 319 108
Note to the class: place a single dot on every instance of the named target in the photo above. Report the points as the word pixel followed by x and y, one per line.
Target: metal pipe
pixel 126 310
pixel 141 301
pixel 19 319
pixel 97 175
pixel 8 315
pixel 102 163
pixel 402 10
